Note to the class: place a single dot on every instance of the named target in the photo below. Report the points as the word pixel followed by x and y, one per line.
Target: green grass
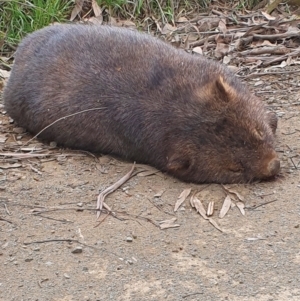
pixel 19 17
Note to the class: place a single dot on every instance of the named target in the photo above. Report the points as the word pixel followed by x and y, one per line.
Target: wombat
pixel 154 104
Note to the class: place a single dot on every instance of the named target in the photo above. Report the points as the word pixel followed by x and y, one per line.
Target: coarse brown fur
pixel 183 114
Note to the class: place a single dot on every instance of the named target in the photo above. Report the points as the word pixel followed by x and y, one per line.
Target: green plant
pixel 19 17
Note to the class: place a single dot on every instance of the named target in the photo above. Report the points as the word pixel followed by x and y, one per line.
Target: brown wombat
pixel 183 114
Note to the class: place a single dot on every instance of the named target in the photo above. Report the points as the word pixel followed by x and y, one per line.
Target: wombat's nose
pixel 273 167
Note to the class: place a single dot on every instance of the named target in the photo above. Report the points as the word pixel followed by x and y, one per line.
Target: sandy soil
pixel 50 248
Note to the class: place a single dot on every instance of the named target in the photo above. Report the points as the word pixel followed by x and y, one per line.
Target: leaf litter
pixel 259 38
pixel 196 203
pixel 184 194
pixel 226 206
pixel 170 223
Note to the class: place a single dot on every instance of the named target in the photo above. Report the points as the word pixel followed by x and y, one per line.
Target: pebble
pixel 19 130
pixel 77 250
pixel 259 83
pixel 28 259
pixel 66 276
pixel 53 144
pixel 129 239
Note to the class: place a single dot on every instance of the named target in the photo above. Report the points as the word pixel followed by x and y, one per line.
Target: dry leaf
pixel 267 16
pixel 112 21
pixel 225 207
pixel 110 189
pixel 210 209
pixel 199 207
pixel 195 202
pixel 147 173
pixel 7 165
pixel 4 73
pixel 221 50
pixel 166 226
pixel 95 20
pixel 241 198
pixel 77 9
pixel 127 23
pixel 159 194
pixel 198 50
pixel 96 8
pixel 168 223
pixel 3 138
pixel 168 28
pixel 226 60
pixel 182 20
pixel 241 206
pixel 23 155
pixel 31 149
pixel 37 210
pixel 222 26
pixel 289 61
pixel 184 194
pixel 215 224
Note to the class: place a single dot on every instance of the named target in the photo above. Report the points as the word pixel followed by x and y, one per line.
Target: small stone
pixel 130 262
pixel 259 83
pixel 28 259
pixel 19 130
pixel 36 249
pixel 77 250
pixel 129 239
pixel 53 144
pixel 66 276
pixel 79 204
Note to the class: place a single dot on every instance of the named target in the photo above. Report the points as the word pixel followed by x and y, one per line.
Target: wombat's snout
pixel 274 167
pixel 270 166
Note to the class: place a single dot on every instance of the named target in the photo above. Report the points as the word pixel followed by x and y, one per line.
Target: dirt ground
pixel 50 248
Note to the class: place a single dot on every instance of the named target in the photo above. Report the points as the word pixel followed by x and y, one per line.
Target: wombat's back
pixel 65 69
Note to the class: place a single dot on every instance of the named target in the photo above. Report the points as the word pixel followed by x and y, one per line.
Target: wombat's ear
pixel 272 121
pixel 225 91
pixel 177 162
